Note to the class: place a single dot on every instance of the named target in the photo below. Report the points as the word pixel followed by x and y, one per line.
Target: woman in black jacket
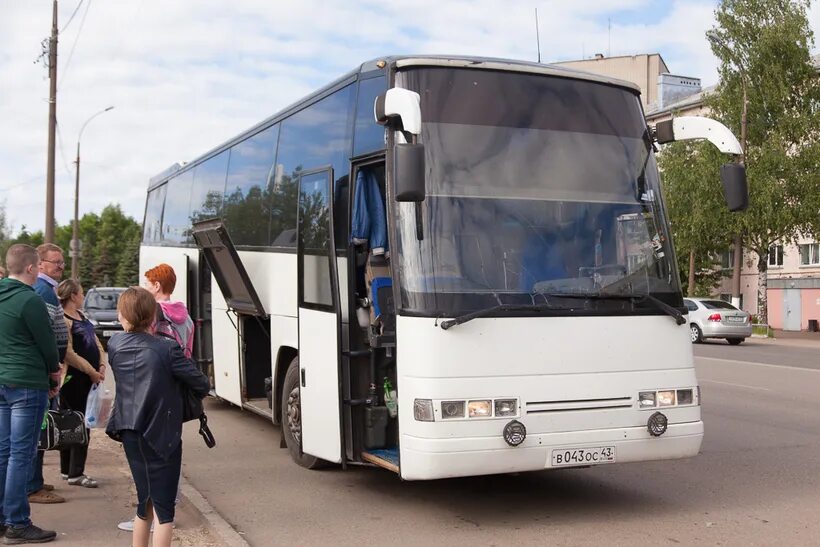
pixel 147 414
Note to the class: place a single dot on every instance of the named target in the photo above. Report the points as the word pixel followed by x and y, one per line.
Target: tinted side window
pixel 209 187
pixel 247 198
pixel 369 136
pixel 314 137
pixel 175 221
pixel 152 225
pixel 691 306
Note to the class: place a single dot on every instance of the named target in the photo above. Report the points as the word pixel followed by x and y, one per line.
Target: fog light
pixel 423 410
pixel 684 396
pixel 479 409
pixel 514 433
pixel 666 398
pixel 452 409
pixel 657 424
pixel 646 399
pixel 506 407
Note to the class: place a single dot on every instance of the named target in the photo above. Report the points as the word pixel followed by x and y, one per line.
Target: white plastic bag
pixel 98 407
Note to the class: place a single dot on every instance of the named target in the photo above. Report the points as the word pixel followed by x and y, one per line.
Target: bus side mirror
pixel 735 187
pixel 408 172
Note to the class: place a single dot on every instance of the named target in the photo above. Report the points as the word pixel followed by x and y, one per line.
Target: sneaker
pixel 48 487
pixel 64 476
pixel 44 496
pixel 83 480
pixel 128 526
pixel 29 534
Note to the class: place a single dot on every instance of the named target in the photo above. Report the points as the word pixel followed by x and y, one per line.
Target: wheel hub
pixel 295 415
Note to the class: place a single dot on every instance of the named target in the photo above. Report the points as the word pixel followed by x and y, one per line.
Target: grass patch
pixel 762 330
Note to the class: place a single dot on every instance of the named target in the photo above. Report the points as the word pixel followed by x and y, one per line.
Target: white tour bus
pixel 444 267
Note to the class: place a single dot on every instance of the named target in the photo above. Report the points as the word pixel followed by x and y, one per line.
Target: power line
pixel 62 30
pixel 62 152
pixel 74 45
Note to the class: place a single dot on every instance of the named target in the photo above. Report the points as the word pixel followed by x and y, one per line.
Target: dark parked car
pixel 100 306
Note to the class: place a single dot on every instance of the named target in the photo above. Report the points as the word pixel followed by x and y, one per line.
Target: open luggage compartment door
pixel 212 237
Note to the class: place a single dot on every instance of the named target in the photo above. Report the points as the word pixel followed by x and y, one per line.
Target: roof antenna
pixel 609 37
pixel 537 37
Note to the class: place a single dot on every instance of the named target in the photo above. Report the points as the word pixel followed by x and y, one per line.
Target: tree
pixel 127 273
pixel 698 214
pixel 768 80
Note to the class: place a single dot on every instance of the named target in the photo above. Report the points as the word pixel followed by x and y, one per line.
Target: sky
pixel 185 76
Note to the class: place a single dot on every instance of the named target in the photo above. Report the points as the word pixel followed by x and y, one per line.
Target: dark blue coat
pixel 148 371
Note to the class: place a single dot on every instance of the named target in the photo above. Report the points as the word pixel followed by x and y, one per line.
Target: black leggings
pixel 74 396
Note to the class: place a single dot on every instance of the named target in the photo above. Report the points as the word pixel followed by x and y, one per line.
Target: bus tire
pixel 292 419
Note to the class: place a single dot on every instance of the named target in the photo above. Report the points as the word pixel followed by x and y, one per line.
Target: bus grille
pixel 543 407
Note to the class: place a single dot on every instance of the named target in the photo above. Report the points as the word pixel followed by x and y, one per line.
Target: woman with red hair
pixel 173 320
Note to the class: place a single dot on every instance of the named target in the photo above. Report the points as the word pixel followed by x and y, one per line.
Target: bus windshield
pixel 536 185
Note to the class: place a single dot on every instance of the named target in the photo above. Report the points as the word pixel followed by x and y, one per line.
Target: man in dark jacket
pixel 29 370
pixel 52 265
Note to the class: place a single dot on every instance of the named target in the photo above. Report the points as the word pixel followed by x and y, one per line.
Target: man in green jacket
pixel 28 371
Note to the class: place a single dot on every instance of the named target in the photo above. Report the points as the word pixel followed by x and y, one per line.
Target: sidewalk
pixel 793 338
pixel 89 516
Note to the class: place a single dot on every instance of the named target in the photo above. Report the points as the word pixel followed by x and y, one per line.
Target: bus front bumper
pixel 425 459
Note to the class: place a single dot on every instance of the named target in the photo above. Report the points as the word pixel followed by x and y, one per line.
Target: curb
pixel 221 528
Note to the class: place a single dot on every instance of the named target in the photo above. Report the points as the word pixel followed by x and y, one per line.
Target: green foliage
pixel 110 246
pixel 763 47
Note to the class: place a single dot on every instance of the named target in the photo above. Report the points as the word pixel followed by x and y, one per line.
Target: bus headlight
pixel 685 397
pixel 479 409
pixel 452 409
pixel 646 399
pixel 423 410
pixel 666 398
pixel 506 407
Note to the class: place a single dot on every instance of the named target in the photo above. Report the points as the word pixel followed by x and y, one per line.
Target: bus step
pixel 387 458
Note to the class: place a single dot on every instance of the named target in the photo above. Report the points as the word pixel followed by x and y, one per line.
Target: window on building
pixel 727 259
pixel 810 254
pixel 776 255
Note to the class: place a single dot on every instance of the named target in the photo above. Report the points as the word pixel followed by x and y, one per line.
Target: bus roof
pixel 400 61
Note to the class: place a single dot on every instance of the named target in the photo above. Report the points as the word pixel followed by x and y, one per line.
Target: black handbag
pixel 192 409
pixel 63 429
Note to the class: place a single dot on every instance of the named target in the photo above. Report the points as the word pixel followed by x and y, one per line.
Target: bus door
pixel 319 318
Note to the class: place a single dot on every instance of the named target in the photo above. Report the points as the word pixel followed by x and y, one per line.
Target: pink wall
pixel 809 306
pixel 775 301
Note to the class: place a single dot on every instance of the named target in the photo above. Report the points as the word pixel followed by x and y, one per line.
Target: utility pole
pixel 52 126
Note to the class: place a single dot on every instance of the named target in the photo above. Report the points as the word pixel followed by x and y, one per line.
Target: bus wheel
pixel 292 418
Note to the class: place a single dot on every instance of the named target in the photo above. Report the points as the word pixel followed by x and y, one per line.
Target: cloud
pixel 185 77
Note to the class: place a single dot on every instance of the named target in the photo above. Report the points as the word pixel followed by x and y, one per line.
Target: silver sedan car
pixel 713 318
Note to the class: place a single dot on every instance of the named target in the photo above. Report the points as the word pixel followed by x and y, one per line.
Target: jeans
pixel 21 414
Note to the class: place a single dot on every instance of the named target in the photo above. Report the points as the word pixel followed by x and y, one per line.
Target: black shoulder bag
pixel 192 409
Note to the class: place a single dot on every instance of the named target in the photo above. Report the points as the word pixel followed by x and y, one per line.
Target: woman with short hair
pixel 87 363
pixel 147 416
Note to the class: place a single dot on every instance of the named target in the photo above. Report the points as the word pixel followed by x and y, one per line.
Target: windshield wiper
pixel 493 309
pixel 634 298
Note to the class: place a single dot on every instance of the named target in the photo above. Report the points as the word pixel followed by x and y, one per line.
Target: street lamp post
pixel 75 234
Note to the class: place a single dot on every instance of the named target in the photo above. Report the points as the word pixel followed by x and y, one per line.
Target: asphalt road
pixel 755 482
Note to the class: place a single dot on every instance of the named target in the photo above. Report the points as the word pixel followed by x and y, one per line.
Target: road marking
pixel 733 384
pixel 736 362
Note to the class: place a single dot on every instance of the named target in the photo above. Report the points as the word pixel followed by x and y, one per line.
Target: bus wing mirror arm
pixel 733 175
pixel 696 127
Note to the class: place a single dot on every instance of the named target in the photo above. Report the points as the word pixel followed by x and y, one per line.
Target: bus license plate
pixel 109 333
pixel 582 456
